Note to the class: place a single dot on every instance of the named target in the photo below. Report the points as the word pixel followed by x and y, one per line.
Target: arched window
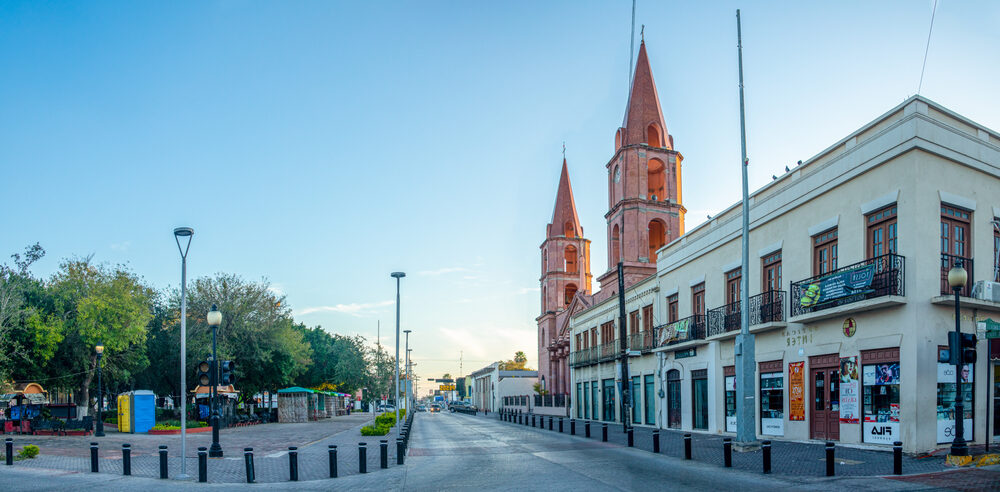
pixel 544 303
pixel 545 261
pixel 615 244
pixel 570 259
pixel 653 136
pixel 656 180
pixel 569 230
pixel 657 237
pixel 569 293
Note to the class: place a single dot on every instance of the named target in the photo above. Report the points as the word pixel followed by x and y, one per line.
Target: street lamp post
pixel 214 319
pixel 395 398
pixel 957 278
pixel 100 396
pixel 406 389
pixel 185 232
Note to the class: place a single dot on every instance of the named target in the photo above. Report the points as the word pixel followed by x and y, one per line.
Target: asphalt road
pixel 462 452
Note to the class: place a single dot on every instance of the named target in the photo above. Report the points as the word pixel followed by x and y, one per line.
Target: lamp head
pixel 407 331
pixel 397 274
pixel 957 276
pixel 183 231
pixel 214 317
pixel 99 349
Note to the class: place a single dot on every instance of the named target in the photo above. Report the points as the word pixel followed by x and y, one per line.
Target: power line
pixel 927 48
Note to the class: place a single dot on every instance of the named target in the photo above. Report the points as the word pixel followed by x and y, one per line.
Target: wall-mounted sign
pixel 681 354
pixel 447 387
pixel 850 327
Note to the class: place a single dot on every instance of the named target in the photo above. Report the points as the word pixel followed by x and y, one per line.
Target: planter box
pixel 193 430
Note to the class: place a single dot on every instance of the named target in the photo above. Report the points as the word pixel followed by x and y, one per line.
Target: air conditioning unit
pixel 987 291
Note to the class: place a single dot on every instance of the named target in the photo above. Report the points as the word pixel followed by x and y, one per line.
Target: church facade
pixel 644 214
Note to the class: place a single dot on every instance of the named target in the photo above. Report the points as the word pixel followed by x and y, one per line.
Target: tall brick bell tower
pixel 644 186
pixel 565 277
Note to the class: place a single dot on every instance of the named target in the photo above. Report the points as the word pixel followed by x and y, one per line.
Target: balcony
pixel 582 357
pixel 680 331
pixel 864 283
pixel 766 307
pixel 949 261
pixel 608 351
pixel 642 341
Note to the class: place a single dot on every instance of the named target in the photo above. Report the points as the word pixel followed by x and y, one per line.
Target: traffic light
pixel 968 348
pixel 204 373
pixel 227 376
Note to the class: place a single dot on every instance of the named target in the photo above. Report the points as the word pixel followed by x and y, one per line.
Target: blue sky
pixel 323 145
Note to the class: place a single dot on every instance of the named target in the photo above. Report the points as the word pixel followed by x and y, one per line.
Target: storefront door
pixel 674 399
pixel 825 414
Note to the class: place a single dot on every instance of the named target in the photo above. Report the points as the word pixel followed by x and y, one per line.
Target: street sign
pixel 633 353
pixel 989 328
pixel 447 387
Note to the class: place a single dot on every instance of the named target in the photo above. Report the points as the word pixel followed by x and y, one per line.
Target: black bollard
pixel 362 457
pixel 572 427
pixel 656 441
pixel 293 463
pixel 126 459
pixel 550 423
pixel 248 461
pixel 586 429
pixel 897 458
pixel 384 453
pixel 765 447
pixel 163 462
pixel 9 451
pixel 631 437
pixel 202 464
pixel 727 451
pixel 93 457
pixel 829 459
pixel 560 425
pixel 533 420
pixel 399 451
pixel 604 432
pixel 687 446
pixel 333 460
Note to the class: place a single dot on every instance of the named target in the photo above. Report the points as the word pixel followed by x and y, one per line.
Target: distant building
pixel 491 384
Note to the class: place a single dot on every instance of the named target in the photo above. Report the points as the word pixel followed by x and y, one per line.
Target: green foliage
pixel 377 430
pixel 29 452
pixel 338 360
pixel 176 424
pixel 518 363
pixel 387 419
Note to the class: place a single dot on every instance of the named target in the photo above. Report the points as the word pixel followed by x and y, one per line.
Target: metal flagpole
pixel 746 429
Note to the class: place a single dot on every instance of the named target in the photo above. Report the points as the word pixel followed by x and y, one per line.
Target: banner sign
pixel 850 408
pixel 675 331
pixel 838 285
pixel 796 391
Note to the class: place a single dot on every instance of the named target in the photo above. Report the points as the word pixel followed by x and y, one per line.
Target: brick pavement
pixel 787 458
pixel 973 479
pixel 270 443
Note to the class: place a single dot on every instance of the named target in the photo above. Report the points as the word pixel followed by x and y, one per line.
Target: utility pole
pixel 623 343
pixel 746 428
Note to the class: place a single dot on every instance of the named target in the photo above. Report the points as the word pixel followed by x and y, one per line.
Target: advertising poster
pixel 850 408
pixel 838 286
pixel 946 395
pixel 731 412
pixel 796 391
pixel 881 382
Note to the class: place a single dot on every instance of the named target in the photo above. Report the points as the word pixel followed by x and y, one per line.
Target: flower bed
pixel 191 430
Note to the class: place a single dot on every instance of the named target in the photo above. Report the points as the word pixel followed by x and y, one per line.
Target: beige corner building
pixel 848 297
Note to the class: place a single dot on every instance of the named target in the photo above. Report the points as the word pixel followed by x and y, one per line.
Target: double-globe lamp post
pixel 183 232
pixel 395 398
pixel 214 319
pixel 957 277
pixel 100 396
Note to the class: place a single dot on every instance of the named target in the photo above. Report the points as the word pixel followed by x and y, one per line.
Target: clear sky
pixel 323 145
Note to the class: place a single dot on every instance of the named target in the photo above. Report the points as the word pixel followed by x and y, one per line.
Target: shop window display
pixel 730 403
pixel 881 402
pixel 946 401
pixel 772 393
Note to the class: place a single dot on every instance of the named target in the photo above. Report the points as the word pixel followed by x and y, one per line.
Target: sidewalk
pixel 270 458
pixel 788 458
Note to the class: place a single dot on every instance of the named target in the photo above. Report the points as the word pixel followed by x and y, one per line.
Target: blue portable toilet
pixel 144 410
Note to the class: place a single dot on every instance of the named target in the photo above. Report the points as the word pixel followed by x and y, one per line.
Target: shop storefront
pixel 609 399
pixel 946 401
pixel 772 397
pixel 730 397
pixel 880 408
pixel 699 398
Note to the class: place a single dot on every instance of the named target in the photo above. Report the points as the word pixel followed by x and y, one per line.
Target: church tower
pixel 565 273
pixel 644 186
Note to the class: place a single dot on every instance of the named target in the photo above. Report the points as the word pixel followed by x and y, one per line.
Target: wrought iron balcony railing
pixel 682 330
pixel 875 277
pixel 765 307
pixel 949 261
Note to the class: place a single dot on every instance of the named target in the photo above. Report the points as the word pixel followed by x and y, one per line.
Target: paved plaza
pixel 465 452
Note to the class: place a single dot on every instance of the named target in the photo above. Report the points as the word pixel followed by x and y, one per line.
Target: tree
pixel 338 361
pixel 96 305
pixel 515 364
pixel 14 282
